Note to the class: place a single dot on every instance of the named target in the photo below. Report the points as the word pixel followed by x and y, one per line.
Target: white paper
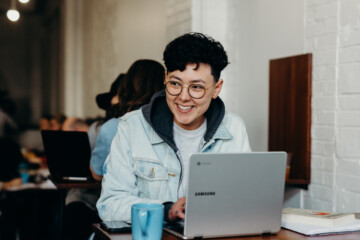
pixel 310 230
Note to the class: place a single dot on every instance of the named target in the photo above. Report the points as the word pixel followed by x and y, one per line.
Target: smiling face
pixel 189 112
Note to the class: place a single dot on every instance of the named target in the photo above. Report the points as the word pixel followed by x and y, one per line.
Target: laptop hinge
pixel 266 233
pixel 198 237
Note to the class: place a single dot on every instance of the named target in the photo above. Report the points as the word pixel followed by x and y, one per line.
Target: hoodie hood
pixel 158 115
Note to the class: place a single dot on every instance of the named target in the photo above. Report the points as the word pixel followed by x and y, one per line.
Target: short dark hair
pixel 195 48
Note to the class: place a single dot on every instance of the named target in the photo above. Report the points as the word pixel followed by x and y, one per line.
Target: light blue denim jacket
pixel 102 145
pixel 143 165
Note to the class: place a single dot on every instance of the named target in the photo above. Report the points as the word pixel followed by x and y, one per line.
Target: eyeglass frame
pixel 182 87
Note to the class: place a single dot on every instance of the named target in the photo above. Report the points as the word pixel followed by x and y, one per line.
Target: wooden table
pixel 284 234
pixel 67 184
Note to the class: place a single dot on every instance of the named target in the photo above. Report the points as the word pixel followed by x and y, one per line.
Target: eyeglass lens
pixel 194 90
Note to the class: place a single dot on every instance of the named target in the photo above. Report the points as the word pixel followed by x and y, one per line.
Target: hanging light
pixel 12 13
pixel 24 1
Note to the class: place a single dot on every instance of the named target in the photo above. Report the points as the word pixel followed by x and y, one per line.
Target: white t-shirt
pixel 188 142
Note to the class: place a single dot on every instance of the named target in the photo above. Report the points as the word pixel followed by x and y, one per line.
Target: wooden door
pixel 290 113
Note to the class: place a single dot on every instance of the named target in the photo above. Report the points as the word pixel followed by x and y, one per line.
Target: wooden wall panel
pixel 290 113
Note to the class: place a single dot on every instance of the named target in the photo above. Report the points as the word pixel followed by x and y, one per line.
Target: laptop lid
pixel 234 194
pixel 68 154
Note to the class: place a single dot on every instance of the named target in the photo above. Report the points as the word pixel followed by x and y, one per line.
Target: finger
pixel 181 215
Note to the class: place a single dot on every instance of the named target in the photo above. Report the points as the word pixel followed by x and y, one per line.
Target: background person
pixel 150 153
pixel 57 121
pixel 44 122
pixel 143 79
pixel 105 101
pixel 75 124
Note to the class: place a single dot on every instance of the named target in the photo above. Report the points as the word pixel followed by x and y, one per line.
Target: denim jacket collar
pixel 159 116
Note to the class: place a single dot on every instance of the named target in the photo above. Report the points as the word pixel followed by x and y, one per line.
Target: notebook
pixel 233 194
pixel 68 154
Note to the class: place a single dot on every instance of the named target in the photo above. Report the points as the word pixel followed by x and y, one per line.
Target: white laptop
pixel 233 194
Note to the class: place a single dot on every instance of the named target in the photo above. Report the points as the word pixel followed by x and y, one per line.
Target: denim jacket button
pixel 151 173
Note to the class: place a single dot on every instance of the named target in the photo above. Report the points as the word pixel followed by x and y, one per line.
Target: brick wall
pixel 332 34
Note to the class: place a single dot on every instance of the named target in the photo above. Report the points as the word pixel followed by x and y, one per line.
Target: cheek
pixel 204 104
pixel 169 100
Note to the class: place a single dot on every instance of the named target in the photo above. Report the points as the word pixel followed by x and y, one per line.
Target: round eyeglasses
pixel 175 88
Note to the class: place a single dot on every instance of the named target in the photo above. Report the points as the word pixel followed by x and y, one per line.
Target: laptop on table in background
pixel 68 155
pixel 233 194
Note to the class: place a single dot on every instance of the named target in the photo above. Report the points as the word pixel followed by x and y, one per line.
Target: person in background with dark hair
pixel 105 101
pixel 75 124
pixel 44 122
pixel 57 121
pixel 149 156
pixel 143 79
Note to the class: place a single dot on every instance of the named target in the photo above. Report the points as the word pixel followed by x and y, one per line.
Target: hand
pixel 178 210
pixel 12 183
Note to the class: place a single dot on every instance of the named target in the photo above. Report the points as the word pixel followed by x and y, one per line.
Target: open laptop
pixel 233 194
pixel 68 155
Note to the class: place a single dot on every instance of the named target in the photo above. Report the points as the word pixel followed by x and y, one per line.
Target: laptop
pixel 68 155
pixel 233 194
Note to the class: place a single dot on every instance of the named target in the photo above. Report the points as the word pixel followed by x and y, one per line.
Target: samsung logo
pixel 204 193
pixel 203 163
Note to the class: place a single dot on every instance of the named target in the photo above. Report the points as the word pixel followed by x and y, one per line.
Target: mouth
pixel 184 109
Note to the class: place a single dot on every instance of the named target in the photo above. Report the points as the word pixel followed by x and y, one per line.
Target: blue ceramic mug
pixel 147 221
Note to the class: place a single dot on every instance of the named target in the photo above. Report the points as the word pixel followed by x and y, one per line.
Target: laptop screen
pixel 68 153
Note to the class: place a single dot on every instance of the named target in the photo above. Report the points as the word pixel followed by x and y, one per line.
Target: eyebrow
pixel 191 81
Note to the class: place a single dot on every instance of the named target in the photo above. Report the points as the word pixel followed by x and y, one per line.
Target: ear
pixel 218 87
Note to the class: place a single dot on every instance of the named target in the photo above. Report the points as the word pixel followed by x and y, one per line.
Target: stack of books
pixel 313 222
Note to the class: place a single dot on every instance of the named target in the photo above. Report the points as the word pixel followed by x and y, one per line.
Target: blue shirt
pixel 102 145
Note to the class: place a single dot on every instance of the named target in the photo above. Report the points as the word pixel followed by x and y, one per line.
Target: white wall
pixel 113 34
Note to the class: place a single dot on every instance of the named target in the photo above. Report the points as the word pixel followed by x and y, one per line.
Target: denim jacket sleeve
pixel 102 146
pixel 119 185
pixel 99 154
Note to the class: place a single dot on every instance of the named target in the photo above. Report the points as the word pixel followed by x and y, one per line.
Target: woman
pixel 143 79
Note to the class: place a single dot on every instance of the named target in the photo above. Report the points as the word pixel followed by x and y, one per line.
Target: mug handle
pixel 143 219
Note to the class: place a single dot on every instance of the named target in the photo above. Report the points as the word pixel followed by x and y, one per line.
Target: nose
pixel 184 95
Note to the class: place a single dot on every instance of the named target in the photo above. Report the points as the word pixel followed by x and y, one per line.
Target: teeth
pixel 184 108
